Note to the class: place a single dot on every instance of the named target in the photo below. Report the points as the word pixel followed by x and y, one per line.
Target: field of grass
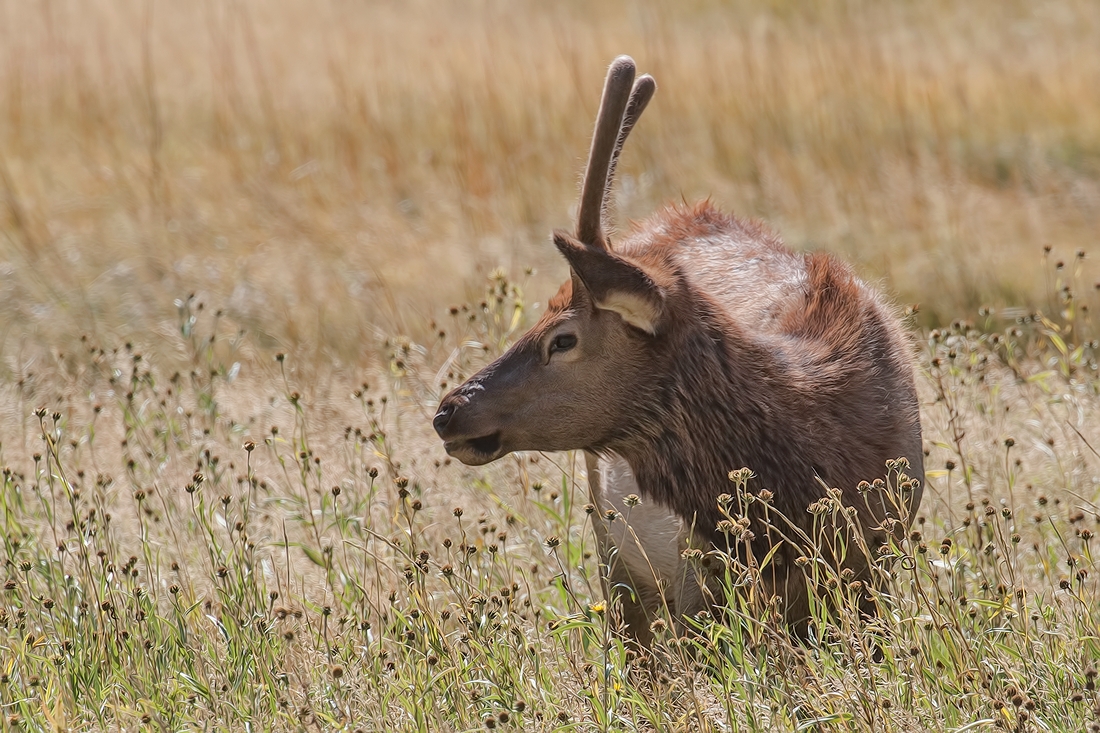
pixel 244 248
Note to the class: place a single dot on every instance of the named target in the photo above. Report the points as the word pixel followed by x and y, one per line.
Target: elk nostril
pixel 442 418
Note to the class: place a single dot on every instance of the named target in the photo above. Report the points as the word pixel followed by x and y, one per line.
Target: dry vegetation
pixel 311 166
pixel 199 533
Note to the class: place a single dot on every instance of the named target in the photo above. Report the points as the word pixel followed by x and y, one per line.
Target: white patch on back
pixel 755 283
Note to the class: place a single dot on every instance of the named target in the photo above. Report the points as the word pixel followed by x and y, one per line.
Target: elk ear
pixel 614 283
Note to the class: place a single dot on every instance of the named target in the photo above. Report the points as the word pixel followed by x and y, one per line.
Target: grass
pixel 310 167
pixel 230 241
pixel 207 542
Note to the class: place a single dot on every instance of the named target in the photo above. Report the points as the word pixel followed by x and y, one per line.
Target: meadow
pixel 244 249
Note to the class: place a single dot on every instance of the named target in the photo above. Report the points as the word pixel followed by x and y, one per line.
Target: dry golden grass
pixel 326 175
pixel 316 169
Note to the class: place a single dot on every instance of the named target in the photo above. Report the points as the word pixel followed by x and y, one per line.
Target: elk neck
pixel 721 405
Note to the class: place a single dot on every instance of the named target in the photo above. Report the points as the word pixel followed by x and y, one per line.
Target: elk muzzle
pixel 464 432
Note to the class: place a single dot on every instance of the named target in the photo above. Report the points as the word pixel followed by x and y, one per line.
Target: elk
pixel 697 345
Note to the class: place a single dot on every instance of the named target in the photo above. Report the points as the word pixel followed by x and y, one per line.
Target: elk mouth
pixel 475 451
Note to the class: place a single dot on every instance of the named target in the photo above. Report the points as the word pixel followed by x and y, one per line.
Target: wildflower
pixel 741 475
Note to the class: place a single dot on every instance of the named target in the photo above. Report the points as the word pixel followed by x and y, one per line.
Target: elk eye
pixel 563 342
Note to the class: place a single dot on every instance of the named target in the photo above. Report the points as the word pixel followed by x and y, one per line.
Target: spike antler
pixel 644 87
pixel 623 101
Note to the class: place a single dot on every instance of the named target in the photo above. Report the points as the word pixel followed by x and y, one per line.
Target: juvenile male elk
pixel 699 344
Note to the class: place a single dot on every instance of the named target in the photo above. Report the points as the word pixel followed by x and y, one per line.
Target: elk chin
pixel 476 451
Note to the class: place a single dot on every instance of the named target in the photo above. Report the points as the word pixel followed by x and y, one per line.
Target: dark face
pixel 567 384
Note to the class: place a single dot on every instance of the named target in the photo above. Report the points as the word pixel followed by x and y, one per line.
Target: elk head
pixel 570 381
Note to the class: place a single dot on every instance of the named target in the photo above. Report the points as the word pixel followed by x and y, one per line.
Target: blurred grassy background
pixel 321 170
pixel 330 172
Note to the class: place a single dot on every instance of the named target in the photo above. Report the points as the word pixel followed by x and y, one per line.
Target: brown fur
pixel 700 344
pixel 826 392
